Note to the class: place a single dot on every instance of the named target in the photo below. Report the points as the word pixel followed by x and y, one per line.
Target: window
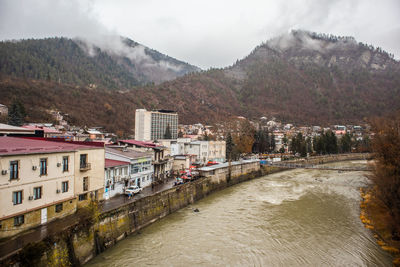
pixel 65 163
pixel 14 169
pixel 83 161
pixel 82 197
pixel 18 220
pixel 64 186
pixel 85 183
pixel 43 166
pixel 59 207
pixel 17 197
pixel 37 192
pixel 134 168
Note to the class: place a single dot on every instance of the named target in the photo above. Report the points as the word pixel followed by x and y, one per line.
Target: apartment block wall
pixel 94 173
pixel 151 125
pixel 142 125
pixel 29 178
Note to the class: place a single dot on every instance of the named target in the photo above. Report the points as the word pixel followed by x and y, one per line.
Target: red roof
pixel 139 143
pixel 45 129
pixel 17 146
pixel 113 163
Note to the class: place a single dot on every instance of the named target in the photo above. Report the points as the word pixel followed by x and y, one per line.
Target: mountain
pixel 315 78
pixel 118 63
pixel 300 77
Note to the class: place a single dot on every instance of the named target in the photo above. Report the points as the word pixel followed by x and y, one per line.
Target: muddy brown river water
pixel 292 218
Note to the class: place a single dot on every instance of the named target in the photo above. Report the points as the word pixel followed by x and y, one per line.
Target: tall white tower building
pixel 152 125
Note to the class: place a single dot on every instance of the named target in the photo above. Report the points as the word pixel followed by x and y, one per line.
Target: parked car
pixel 133 190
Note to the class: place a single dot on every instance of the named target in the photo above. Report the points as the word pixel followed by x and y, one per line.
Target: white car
pixel 133 190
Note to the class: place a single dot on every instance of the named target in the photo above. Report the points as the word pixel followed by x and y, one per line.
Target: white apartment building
pixel 140 170
pixel 38 181
pixel 204 150
pixel 152 125
pixel 116 173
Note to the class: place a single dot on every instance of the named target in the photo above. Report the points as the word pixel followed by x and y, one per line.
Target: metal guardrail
pixel 85 166
pixel 318 167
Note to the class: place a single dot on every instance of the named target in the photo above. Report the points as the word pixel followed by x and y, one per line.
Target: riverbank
pixel 94 233
pixel 374 216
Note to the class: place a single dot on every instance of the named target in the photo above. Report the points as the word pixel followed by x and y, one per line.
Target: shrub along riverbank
pixel 375 217
pixel 380 207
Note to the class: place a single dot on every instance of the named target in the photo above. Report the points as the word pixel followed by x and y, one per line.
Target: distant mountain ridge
pixel 300 77
pixel 120 64
pixel 309 77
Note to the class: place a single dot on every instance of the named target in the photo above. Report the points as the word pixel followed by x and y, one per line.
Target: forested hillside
pixel 120 65
pixel 300 77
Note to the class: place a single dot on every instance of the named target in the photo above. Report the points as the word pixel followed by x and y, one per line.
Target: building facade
pixel 116 173
pixel 37 182
pixel 162 162
pixel 153 125
pixel 204 150
pixel 140 170
pixel 3 110
pixel 89 174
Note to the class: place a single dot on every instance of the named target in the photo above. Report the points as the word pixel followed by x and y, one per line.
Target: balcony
pixel 161 161
pixel 84 167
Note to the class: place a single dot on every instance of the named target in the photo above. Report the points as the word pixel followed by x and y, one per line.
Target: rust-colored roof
pixel 113 163
pixel 17 146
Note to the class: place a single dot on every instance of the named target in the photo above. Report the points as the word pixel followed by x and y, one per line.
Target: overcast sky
pixel 205 33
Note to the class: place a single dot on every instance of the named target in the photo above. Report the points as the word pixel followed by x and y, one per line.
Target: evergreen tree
pixel 332 146
pixel 272 143
pixel 309 145
pixel 345 143
pixel 167 134
pixel 299 145
pixel 16 114
pixel 261 144
pixel 229 147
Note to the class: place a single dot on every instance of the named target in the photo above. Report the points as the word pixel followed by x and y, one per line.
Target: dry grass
pixel 375 217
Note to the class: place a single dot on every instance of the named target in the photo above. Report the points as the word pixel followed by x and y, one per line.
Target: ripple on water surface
pixel 293 218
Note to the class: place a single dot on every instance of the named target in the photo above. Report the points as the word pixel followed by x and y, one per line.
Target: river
pixel 292 218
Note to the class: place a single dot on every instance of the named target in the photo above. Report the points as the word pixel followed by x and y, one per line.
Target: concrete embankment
pixel 331 158
pixel 90 236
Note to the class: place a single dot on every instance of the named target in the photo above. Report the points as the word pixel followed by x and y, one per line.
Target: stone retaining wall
pixel 91 236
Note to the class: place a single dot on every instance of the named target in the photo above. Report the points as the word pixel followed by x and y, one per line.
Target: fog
pixel 203 33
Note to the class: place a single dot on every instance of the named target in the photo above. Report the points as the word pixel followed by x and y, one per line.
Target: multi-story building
pixel 183 162
pixel 89 173
pixel 154 125
pixel 204 150
pixel 161 161
pixel 38 181
pixel 140 170
pixel 116 173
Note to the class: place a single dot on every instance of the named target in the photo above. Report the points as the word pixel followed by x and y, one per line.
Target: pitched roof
pixel 113 163
pixel 41 128
pixel 129 153
pixel 18 146
pixel 140 143
pixel 11 128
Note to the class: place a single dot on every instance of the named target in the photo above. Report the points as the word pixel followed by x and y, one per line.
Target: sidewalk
pixel 16 243
pixel 120 200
